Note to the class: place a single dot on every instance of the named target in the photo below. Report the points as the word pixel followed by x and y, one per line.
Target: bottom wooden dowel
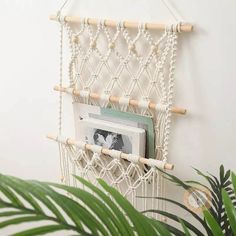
pixel 105 151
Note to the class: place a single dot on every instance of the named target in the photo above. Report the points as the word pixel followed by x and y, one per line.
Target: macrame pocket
pixel 129 70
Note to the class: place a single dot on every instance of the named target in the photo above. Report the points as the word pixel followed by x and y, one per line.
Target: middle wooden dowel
pixel 115 99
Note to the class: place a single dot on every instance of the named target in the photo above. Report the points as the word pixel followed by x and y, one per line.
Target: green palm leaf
pixel 9 194
pixel 96 206
pixel 38 194
pixel 13 213
pixel 113 207
pixel 177 219
pixel 171 229
pixel 139 222
pixel 216 230
pixel 160 228
pixel 21 220
pixel 217 209
pixel 233 176
pixel 104 212
pixel 186 231
pixel 19 188
pixel 230 210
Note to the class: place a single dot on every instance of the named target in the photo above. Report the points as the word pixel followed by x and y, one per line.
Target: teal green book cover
pixel 145 122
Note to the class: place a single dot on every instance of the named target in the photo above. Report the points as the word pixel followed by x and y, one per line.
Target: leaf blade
pixel 97 207
pixel 120 216
pixel 230 210
pixel 139 221
pixel 215 228
pixel 20 220
pixel 187 233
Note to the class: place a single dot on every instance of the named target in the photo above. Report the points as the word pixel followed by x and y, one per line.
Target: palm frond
pixel 217 209
pixel 103 212
pixel 186 231
pixel 176 219
pixel 216 230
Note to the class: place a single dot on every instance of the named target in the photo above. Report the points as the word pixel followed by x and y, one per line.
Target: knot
pixel 115 78
pixel 84 93
pixel 96 149
pixel 168 28
pixel 61 18
pixel 120 25
pixel 90 164
pixel 125 62
pixel 85 21
pixel 115 154
pixel 80 154
pixel 75 39
pixel 102 23
pixel 161 107
pixel 111 45
pixel 86 57
pixel 153 82
pixel 144 104
pixel 95 76
pixel 133 158
pixel 104 99
pixel 81 145
pixel 144 65
pixel 178 27
pixel 131 47
pixel 124 101
pixel 174 28
pixel 95 157
pixel 86 88
pixel 93 44
pixel 154 48
pixel 156 163
pixel 142 26
pixel 132 188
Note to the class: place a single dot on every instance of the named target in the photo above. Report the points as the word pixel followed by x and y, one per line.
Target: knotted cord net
pixel 134 64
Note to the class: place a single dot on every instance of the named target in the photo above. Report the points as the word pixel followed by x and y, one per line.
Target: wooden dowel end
pixel 169 166
pixel 51 136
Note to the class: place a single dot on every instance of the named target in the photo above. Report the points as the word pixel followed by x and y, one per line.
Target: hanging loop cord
pixel 166 3
pixel 172 11
pixel 61 8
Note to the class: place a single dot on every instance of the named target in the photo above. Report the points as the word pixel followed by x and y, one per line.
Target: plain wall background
pixel 205 83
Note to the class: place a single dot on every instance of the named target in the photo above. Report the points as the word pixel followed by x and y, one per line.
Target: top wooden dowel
pixel 184 27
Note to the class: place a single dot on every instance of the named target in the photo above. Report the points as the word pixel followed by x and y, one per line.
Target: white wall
pixel 205 83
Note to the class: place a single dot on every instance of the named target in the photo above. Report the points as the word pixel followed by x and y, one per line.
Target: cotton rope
pixel 129 176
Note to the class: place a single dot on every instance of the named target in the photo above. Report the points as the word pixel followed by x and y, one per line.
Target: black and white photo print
pixel 111 140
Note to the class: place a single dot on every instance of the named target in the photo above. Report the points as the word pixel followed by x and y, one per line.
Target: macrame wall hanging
pixel 127 67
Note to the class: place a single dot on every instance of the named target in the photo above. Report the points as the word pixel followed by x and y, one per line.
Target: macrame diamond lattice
pixel 130 64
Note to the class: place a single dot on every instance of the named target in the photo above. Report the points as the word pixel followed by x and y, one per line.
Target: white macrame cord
pixel 136 66
pixel 131 65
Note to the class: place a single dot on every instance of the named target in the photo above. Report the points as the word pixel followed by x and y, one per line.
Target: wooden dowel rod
pixel 115 99
pixel 105 151
pixel 185 27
